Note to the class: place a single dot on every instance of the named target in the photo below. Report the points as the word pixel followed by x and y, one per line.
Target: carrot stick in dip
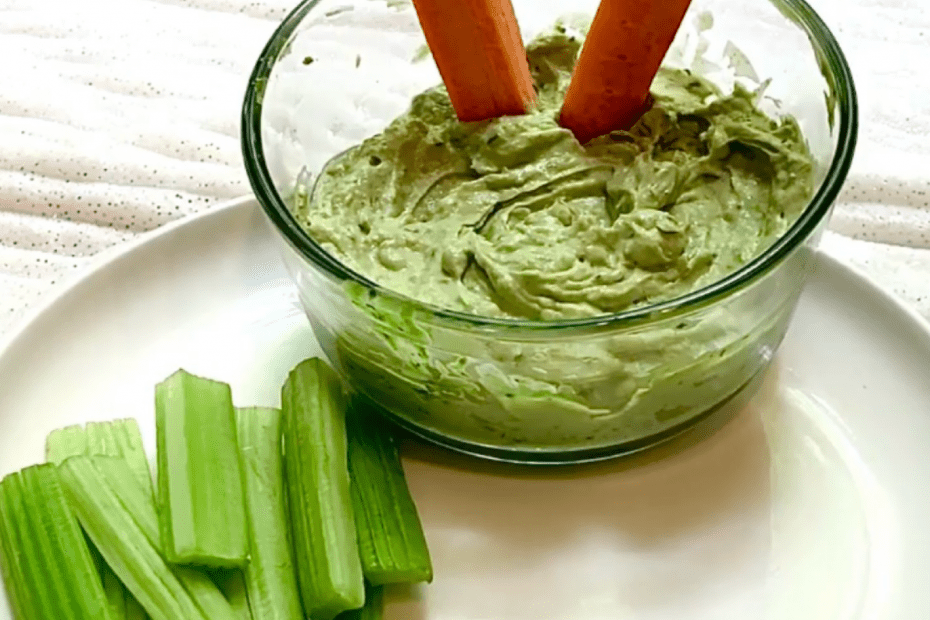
pixel 480 55
pixel 620 57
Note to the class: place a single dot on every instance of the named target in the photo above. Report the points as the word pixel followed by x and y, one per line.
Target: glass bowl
pixel 337 71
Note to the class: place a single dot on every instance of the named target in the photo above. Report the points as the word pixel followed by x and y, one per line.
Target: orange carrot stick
pixel 480 55
pixel 620 58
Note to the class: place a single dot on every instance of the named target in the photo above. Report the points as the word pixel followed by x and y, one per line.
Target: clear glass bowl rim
pixel 833 64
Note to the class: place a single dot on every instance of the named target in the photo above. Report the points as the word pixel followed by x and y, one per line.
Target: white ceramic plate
pixel 812 505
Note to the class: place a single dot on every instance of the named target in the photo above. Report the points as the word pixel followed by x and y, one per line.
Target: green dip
pixel 515 218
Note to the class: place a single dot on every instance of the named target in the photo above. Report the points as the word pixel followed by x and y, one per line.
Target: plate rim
pixel 107 258
pixel 103 260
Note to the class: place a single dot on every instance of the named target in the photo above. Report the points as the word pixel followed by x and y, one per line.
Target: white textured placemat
pixel 117 116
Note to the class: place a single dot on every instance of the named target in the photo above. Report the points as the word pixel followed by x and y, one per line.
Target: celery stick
pixel 232 584
pixel 12 564
pixel 202 511
pixel 120 438
pixel 374 605
pixel 117 438
pixel 47 567
pixel 271 577
pixel 316 470
pixel 65 442
pixel 23 586
pixel 119 516
pixel 390 536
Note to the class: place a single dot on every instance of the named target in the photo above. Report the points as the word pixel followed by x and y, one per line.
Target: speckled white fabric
pixel 117 116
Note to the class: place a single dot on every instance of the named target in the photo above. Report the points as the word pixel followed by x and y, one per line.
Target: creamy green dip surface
pixel 514 218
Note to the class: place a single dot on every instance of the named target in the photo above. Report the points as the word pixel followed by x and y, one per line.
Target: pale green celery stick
pixel 114 438
pixel 390 536
pixel 232 585
pixel 121 438
pixel 47 567
pixel 270 577
pixel 117 438
pixel 119 516
pixel 64 443
pixel 374 605
pixel 326 552
pixel 202 510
